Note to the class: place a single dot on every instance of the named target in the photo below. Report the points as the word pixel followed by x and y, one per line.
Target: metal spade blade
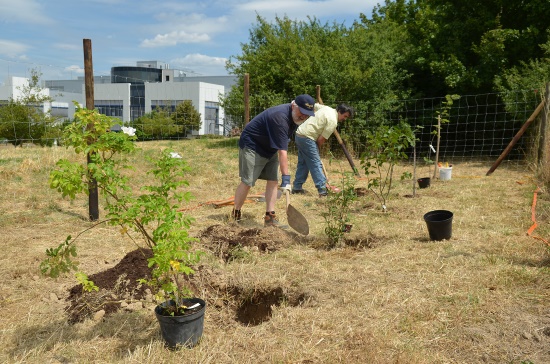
pixel 296 220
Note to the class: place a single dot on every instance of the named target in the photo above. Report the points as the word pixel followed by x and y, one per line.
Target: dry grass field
pixel 387 295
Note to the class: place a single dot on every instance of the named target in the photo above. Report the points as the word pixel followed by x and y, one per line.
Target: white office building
pixel 133 91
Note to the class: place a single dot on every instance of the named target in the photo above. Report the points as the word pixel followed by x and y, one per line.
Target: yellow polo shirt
pixel 322 124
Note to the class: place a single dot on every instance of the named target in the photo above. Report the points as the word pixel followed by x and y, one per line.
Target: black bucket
pixel 424 182
pixel 440 224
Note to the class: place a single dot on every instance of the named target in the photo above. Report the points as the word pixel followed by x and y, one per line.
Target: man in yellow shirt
pixel 310 136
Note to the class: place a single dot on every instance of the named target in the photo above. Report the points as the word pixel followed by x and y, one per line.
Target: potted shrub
pixel 180 316
pixel 149 210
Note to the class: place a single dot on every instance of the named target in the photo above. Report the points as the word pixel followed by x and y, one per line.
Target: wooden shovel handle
pixel 324 171
pixel 348 156
pixel 287 195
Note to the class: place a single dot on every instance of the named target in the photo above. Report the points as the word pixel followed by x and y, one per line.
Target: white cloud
pixel 182 6
pixel 213 25
pixel 192 22
pixel 181 30
pixel 12 49
pixel 184 23
pixel 300 9
pixel 174 38
pixel 275 6
pixel 23 11
pixel 75 69
pixel 200 64
pixel 180 18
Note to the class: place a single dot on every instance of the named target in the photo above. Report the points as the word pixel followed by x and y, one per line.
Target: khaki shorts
pixel 252 167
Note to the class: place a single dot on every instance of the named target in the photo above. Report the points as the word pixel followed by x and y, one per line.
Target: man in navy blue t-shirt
pixel 263 147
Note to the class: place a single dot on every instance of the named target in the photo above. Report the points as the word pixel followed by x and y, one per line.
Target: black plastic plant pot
pixel 424 182
pixel 183 330
pixel 440 224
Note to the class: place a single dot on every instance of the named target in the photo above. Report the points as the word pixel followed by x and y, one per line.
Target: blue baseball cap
pixel 305 103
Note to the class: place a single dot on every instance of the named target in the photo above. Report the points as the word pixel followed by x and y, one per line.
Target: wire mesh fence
pixel 478 127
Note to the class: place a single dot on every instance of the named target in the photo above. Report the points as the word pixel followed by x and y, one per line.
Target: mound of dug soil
pixel 119 284
pixel 225 241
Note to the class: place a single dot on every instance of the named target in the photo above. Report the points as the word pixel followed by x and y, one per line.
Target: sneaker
pixel 236 215
pixel 298 192
pixel 323 194
pixel 270 219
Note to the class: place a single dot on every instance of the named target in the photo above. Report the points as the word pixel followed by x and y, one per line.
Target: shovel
pixel 296 220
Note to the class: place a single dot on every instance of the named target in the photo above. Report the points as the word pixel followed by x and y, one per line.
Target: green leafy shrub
pixel 151 211
pixel 386 146
pixel 338 207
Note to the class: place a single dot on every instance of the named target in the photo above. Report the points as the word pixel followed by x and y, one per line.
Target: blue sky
pixel 196 37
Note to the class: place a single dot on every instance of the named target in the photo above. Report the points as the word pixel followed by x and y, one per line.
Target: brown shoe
pixel 270 219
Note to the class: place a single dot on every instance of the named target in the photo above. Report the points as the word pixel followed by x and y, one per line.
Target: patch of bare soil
pixel 116 285
pixel 119 284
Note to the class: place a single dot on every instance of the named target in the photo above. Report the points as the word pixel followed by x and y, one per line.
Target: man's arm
pixel 283 162
pixel 285 175
pixel 320 141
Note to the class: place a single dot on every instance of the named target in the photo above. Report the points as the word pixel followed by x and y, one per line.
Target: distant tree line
pixel 404 50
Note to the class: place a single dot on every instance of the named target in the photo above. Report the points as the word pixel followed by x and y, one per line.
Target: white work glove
pixel 285 183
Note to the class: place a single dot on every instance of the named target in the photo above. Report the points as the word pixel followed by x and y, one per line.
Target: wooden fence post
pixel 437 145
pixel 93 196
pixel 516 138
pixel 246 98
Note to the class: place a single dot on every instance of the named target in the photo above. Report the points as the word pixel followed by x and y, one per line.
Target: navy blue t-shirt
pixel 269 131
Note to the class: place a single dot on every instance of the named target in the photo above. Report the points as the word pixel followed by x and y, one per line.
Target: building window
pixel 109 107
pixel 170 105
